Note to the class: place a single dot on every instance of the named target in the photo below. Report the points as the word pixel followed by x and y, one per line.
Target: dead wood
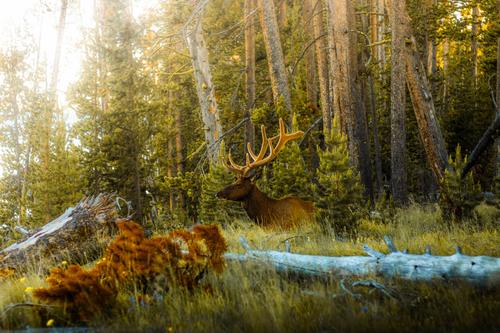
pixel 78 235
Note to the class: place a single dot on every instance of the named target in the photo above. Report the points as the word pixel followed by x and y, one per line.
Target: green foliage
pixel 187 184
pixel 338 193
pixel 213 209
pixel 459 196
pixel 288 174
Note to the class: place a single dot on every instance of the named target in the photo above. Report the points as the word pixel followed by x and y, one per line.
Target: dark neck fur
pixel 256 204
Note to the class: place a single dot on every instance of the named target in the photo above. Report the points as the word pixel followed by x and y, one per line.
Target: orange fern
pixel 179 258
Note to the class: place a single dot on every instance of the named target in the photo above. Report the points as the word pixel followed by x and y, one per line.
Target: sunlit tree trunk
pixel 282 13
pixel 250 13
pixel 57 57
pixel 398 102
pixel 474 42
pixel 446 59
pixel 322 63
pixel 170 170
pixel 309 56
pixel 179 156
pixel 431 44
pixel 204 87
pixel 275 59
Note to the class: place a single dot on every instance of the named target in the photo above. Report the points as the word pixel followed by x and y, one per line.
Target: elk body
pixel 268 212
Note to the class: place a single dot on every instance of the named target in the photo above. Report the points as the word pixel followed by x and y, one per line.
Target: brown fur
pixel 282 213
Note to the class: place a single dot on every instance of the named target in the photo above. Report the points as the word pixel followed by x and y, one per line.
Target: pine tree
pixel 459 196
pixel 339 193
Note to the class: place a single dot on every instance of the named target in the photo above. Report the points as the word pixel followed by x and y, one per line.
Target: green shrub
pixel 339 193
pixel 288 174
pixel 459 196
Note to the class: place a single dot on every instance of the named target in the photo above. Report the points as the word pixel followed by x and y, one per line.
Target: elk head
pixel 258 206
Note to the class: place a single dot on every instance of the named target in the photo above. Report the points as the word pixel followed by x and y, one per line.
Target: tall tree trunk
pixel 351 113
pixel 250 8
pixel 446 59
pixel 170 171
pixel 310 57
pixel 179 157
pixel 423 105
pixel 497 141
pixel 431 44
pixel 370 26
pixel 381 14
pixel 282 13
pixel 57 57
pixel 376 141
pixel 398 103
pixel 474 43
pixel 322 63
pixel 204 87
pixel 272 42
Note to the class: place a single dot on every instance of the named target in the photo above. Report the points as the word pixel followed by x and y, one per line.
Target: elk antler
pixel 259 159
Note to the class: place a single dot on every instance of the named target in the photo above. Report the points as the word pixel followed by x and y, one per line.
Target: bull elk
pixel 265 211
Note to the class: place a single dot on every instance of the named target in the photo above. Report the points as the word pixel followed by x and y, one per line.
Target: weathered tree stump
pixel 78 235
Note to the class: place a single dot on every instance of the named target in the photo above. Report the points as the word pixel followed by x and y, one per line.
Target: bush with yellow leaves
pixel 179 258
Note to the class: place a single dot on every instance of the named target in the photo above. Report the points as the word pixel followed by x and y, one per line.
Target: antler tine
pixel 285 137
pixel 263 148
pixel 267 143
pixel 235 167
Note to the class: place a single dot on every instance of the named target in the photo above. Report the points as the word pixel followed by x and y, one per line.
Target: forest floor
pixel 252 298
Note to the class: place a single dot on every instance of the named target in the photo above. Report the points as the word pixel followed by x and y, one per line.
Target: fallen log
pixel 479 270
pixel 78 235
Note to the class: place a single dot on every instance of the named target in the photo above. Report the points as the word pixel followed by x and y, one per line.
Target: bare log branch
pixel 479 270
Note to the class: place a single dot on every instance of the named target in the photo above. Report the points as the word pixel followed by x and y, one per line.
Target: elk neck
pixel 257 204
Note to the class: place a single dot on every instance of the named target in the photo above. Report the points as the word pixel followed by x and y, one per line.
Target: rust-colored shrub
pixel 179 258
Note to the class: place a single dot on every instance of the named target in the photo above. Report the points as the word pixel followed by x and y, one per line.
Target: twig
pixel 374 284
pixel 347 291
pixel 302 54
pixel 19 305
pixel 317 122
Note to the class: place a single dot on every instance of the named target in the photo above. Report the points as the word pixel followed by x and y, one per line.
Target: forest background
pixel 157 94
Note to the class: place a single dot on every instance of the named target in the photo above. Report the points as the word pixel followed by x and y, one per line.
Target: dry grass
pixel 251 298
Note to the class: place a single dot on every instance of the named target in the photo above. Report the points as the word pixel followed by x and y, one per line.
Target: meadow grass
pixel 254 298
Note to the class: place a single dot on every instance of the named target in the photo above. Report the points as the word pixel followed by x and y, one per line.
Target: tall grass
pixel 253 298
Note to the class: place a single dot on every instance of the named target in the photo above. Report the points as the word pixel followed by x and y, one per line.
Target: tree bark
pixel 478 270
pixel 57 56
pixel 446 52
pixel 250 9
pixel 275 59
pixel 423 105
pixel 179 156
pixel 351 111
pixel 322 63
pixel 204 87
pixel 170 171
pixel 398 103
pixel 282 13
pixel 474 43
pixel 78 235
pixel 310 57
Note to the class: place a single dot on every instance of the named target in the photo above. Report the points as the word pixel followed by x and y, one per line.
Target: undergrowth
pixel 253 298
